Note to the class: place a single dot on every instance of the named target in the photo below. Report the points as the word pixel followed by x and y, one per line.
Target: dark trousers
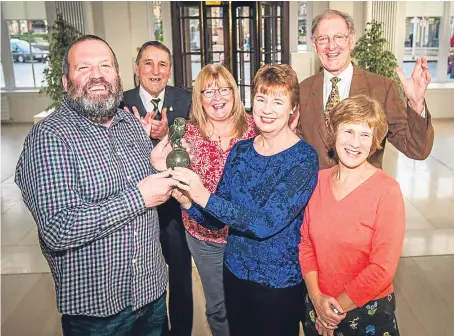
pixel 178 258
pixel 255 309
pixel 375 318
pixel 146 321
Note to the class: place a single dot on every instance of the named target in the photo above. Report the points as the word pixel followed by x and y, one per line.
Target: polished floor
pixel 424 281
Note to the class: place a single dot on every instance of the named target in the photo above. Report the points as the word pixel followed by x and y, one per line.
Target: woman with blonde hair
pixel 218 121
pixel 261 196
pixel 353 231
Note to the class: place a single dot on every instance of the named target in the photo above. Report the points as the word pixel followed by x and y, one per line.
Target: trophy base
pixel 178 158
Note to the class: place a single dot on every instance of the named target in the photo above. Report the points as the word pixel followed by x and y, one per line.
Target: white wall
pixel 424 8
pixel 355 9
pixel 21 10
pixel 24 105
pixel 116 28
pixel 440 100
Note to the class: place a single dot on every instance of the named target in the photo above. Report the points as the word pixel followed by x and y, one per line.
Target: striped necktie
pixel 333 98
pixel 155 103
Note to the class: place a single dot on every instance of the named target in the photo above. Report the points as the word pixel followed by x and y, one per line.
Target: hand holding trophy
pixel 178 157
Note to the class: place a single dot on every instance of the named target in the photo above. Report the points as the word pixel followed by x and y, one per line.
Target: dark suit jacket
pixel 179 101
pixel 409 132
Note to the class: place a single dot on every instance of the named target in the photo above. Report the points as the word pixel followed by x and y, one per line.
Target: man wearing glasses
pixel 165 103
pixel 410 128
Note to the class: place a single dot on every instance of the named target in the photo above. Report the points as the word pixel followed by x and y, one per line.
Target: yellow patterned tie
pixel 155 103
pixel 333 98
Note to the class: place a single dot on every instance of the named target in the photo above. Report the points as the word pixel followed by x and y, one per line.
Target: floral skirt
pixel 375 318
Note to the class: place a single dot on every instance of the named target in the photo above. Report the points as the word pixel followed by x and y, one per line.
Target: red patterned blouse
pixel 208 163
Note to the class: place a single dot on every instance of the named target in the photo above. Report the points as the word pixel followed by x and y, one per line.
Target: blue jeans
pixel 209 258
pixel 146 321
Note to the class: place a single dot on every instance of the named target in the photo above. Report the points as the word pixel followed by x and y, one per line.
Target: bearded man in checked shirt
pixel 87 175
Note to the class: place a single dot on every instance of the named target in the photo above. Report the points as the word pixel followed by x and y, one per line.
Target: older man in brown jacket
pixel 410 128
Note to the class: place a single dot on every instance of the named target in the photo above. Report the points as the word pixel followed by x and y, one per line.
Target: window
pixel 421 39
pixel 29 43
pixel 302 26
pixel 156 20
pixel 423 33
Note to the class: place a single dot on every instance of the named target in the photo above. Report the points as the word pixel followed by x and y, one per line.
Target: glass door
pixel 239 35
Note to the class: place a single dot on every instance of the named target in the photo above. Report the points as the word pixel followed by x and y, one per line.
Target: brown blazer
pixel 410 133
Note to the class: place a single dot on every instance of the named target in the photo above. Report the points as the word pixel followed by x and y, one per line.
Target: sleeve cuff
pixel 359 300
pixel 194 213
pixel 134 200
pixel 423 113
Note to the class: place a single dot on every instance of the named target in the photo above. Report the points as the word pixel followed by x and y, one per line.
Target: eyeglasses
pixel 339 39
pixel 223 91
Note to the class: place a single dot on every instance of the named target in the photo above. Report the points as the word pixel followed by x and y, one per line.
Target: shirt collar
pixel 146 97
pixel 345 75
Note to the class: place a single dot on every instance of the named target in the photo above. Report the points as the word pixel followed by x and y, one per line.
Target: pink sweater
pixel 354 244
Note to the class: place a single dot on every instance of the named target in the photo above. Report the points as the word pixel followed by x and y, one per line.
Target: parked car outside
pixel 22 51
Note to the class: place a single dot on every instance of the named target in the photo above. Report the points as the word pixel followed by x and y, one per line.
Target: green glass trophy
pixel 178 157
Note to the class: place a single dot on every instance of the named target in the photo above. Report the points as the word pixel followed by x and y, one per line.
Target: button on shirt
pixel 147 98
pixel 79 180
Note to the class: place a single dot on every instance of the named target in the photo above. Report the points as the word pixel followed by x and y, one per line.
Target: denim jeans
pixel 209 259
pixel 145 321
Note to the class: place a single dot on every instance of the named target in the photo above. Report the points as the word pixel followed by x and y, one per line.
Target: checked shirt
pixel 79 180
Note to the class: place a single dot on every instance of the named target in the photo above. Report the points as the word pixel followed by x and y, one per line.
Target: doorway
pixel 242 36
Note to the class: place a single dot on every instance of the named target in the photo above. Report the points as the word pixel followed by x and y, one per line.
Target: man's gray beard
pixel 97 108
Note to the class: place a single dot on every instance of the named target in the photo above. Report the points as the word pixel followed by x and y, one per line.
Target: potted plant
pixel 63 34
pixel 371 55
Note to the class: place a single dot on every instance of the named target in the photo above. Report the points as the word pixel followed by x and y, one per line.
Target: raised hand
pixel 145 122
pixel 160 128
pixel 415 87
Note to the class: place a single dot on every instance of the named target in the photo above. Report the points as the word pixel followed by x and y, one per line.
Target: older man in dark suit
pixel 165 103
pixel 410 128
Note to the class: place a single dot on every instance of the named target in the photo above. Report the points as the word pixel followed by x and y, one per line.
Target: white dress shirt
pixel 147 98
pixel 343 85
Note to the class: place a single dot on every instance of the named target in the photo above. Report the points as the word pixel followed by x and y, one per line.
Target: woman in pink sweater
pixel 353 231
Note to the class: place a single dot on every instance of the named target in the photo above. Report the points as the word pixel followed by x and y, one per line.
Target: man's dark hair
pixel 155 44
pixel 65 66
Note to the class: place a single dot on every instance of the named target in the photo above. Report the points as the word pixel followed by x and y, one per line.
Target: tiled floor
pixel 424 281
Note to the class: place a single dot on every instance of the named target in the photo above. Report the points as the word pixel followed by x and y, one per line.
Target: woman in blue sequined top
pixel 266 184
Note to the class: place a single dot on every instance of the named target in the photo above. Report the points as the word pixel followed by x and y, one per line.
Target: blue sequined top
pixel 262 199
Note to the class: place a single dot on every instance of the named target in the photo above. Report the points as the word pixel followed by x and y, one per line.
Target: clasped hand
pixel 190 188
pixel 327 319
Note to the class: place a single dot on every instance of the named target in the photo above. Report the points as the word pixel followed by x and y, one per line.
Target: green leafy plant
pixel 62 35
pixel 371 55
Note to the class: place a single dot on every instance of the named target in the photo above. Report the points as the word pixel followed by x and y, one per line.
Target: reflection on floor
pixel 424 281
